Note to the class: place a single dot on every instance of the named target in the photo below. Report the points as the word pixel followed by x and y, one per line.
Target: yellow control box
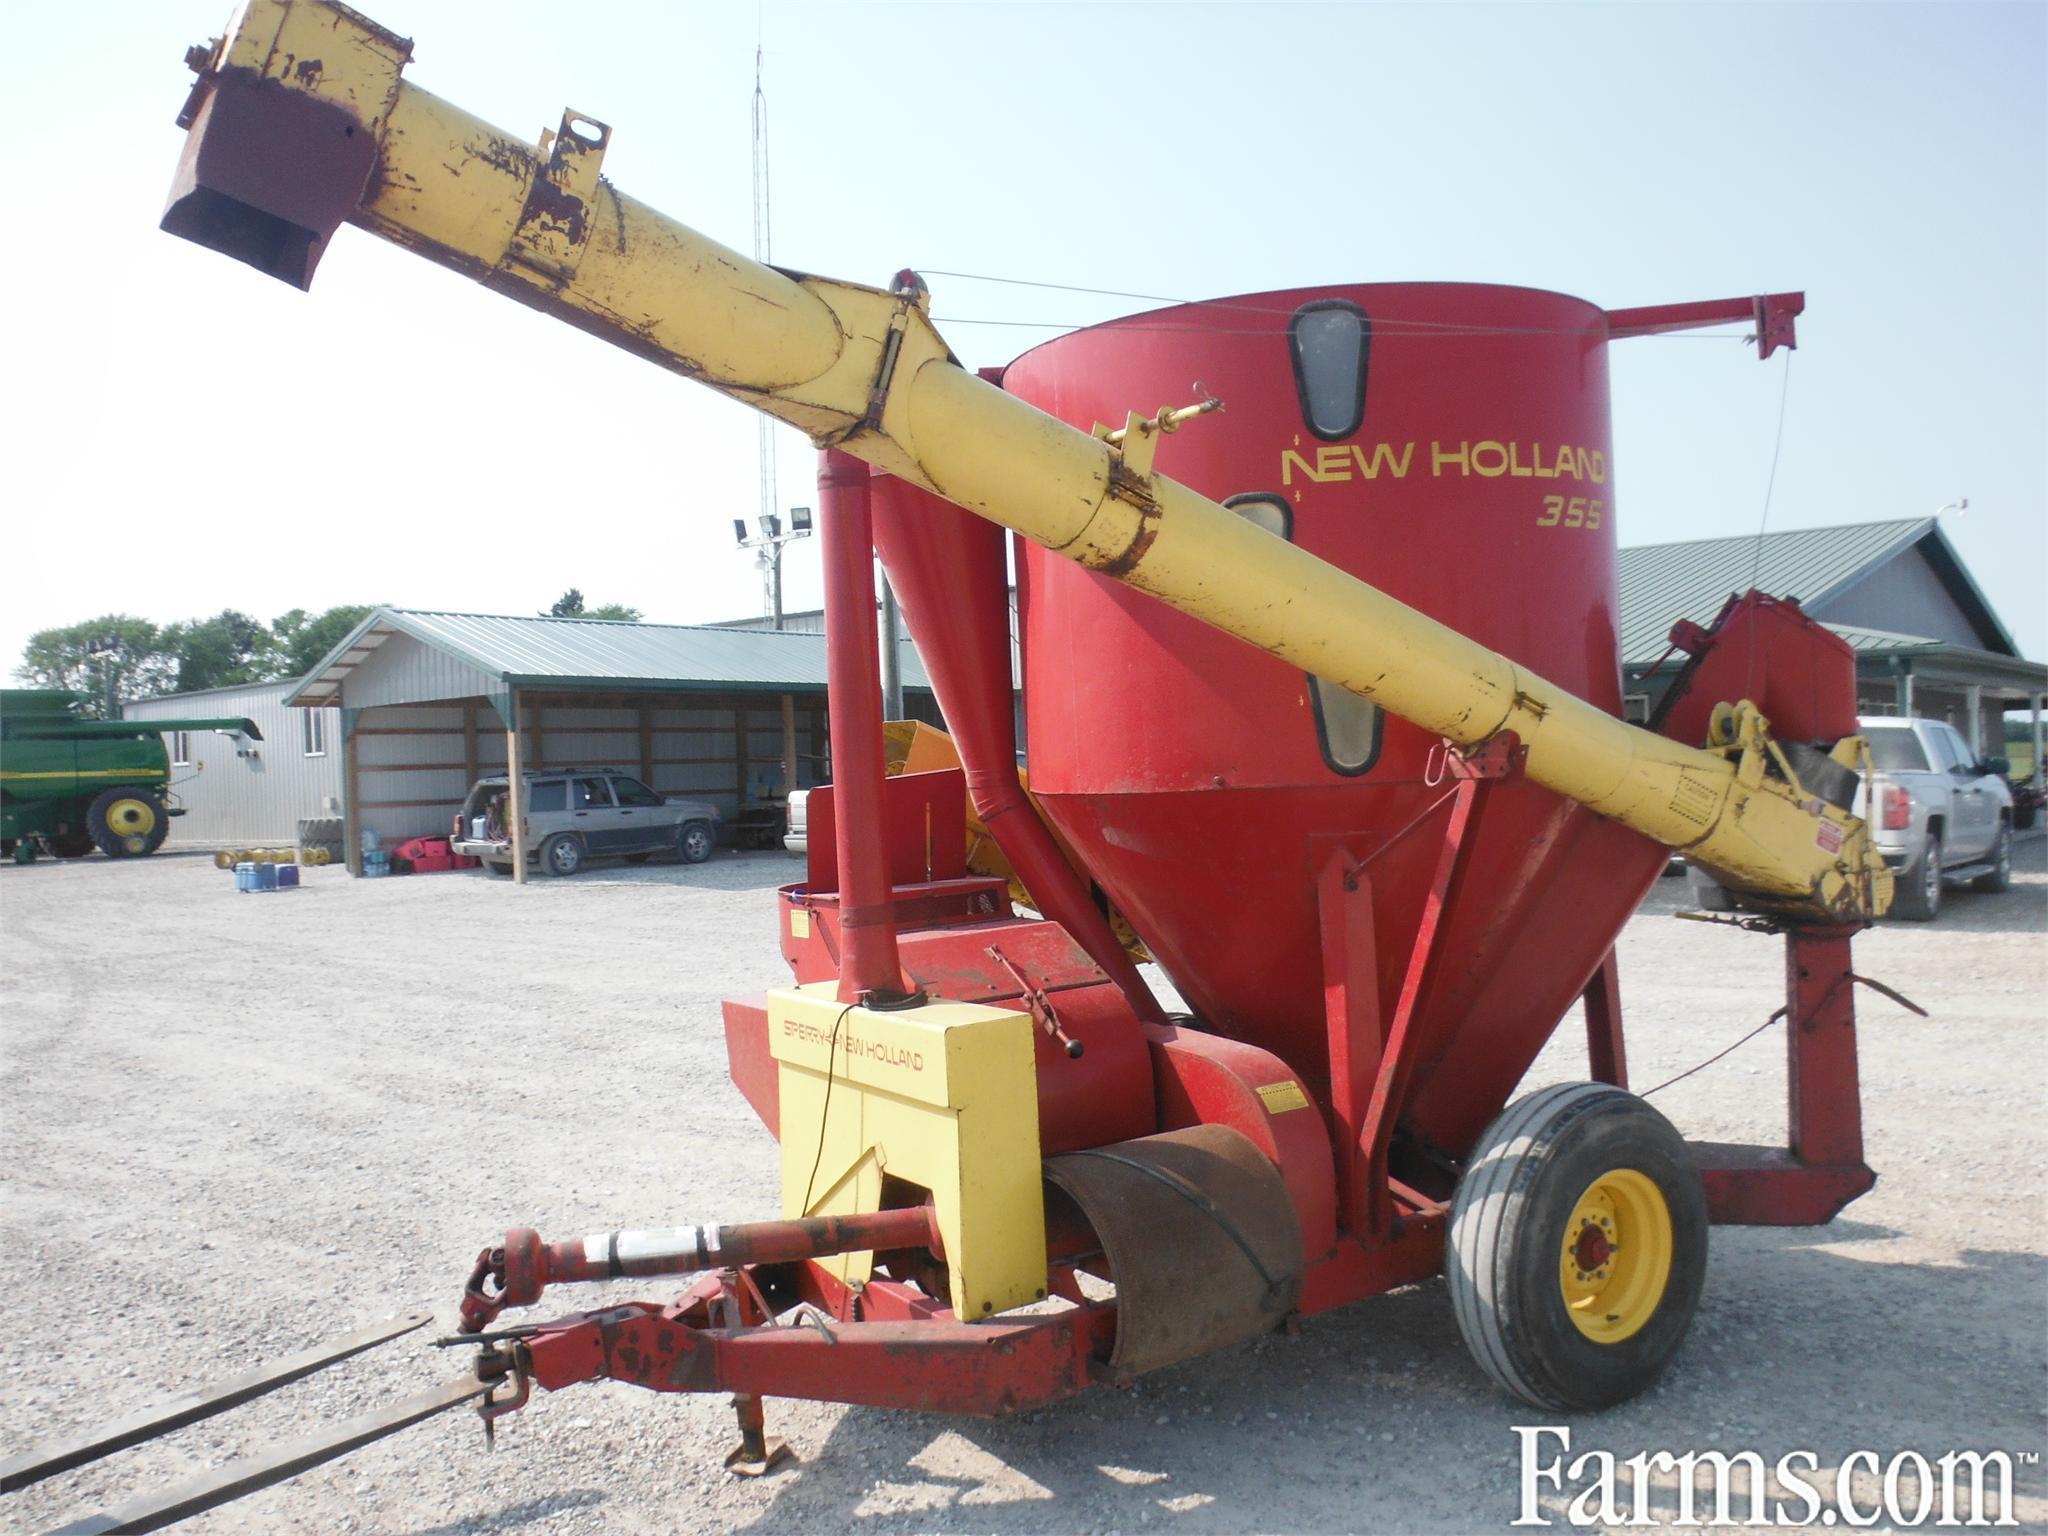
pixel 943 1096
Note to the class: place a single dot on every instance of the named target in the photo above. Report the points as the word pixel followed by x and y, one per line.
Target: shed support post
pixel 742 764
pixel 515 794
pixel 646 722
pixel 469 752
pixel 2035 701
pixel 1976 697
pixel 789 742
pixel 1904 690
pixel 351 803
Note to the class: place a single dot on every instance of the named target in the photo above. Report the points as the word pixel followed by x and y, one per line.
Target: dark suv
pixel 574 814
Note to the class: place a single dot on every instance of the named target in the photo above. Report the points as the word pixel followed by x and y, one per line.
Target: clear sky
pixel 184 435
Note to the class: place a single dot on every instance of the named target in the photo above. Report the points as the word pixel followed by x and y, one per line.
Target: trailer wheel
pixel 127 823
pixel 71 845
pixel 1578 1246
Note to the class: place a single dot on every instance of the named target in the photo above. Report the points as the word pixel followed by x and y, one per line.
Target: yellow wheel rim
pixel 132 820
pixel 1616 1257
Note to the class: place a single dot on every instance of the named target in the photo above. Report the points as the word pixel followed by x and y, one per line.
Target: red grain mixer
pixel 1315 601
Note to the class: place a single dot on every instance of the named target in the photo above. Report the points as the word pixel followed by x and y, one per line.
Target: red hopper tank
pixel 1450 444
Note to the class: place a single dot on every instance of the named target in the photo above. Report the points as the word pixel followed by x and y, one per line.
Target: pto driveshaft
pixel 515 1274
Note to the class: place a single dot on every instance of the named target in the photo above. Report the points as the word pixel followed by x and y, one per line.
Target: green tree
pixel 570 605
pixel 116 656
pixel 221 652
pixel 300 639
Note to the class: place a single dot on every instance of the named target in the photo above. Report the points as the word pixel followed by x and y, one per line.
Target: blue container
pixel 287 877
pixel 266 877
pixel 245 877
pixel 376 863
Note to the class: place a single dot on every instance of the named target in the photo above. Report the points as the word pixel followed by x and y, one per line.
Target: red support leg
pixel 1826 1108
pixel 1351 1013
pixel 1607 1059
pixel 1806 1184
pixel 1397 1060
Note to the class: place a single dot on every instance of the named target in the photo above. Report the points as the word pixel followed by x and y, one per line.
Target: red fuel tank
pixel 1450 444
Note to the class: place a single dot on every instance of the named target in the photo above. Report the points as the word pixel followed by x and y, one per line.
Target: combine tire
pixel 127 823
pixel 1578 1247
pixel 71 845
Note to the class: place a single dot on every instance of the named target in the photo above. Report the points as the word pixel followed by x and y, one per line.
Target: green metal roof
pixel 593 653
pixel 1663 583
pixel 1882 642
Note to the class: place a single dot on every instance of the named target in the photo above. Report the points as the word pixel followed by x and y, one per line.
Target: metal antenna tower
pixel 766 427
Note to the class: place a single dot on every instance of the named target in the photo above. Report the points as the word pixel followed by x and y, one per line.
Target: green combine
pixel 69 785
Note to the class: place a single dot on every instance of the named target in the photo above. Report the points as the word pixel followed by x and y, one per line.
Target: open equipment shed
pixel 1927 640
pixel 430 702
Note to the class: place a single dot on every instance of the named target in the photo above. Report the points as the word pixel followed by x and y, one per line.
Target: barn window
pixel 181 749
pixel 1330 340
pixel 315 728
pixel 1347 726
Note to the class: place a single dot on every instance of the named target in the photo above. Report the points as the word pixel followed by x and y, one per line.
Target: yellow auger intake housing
pixel 301 121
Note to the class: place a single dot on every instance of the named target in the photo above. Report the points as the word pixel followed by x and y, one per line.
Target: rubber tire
pixel 562 855
pixel 695 842
pixel 1507 1224
pixel 1919 899
pixel 2000 877
pixel 110 842
pixel 71 845
pixel 499 868
pixel 2023 817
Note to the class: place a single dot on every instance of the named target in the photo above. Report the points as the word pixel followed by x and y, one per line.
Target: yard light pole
pixel 106 650
pixel 892 653
pixel 1960 506
pixel 767 547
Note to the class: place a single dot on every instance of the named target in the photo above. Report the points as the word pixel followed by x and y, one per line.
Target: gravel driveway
pixel 234 1127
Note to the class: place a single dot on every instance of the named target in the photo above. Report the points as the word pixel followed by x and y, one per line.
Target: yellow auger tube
pixel 865 370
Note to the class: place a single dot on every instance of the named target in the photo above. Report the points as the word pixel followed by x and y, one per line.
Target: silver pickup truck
pixel 1941 813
